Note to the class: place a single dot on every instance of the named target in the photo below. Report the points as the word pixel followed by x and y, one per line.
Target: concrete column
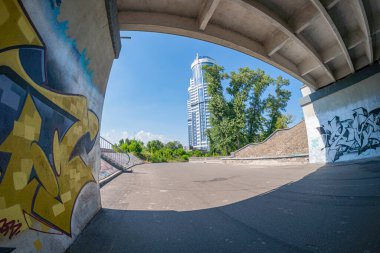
pixel 55 59
pixel 343 119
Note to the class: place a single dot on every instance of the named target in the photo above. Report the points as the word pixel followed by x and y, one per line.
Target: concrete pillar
pixel 343 119
pixel 55 59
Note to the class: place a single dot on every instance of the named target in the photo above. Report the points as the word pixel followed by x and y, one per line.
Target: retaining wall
pixel 206 159
pixel 283 142
pixel 278 160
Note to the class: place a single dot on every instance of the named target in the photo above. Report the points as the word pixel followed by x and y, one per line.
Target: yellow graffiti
pixel 32 191
pixel 16 30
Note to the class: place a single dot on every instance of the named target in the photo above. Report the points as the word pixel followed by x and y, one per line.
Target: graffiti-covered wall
pixel 345 125
pixel 52 83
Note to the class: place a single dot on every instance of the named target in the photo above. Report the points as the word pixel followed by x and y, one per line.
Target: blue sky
pixel 147 89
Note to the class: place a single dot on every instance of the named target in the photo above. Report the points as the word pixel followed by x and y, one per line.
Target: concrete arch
pixel 56 57
pixel 317 42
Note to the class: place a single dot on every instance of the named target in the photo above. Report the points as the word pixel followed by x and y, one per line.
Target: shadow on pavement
pixel 334 209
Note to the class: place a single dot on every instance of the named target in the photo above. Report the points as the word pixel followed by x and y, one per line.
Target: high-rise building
pixel 198 115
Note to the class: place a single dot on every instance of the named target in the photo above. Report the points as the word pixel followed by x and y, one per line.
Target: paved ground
pixel 218 208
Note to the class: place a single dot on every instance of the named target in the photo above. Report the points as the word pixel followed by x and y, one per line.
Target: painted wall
pixel 345 125
pixel 52 82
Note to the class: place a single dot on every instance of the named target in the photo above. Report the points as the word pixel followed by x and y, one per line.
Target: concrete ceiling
pixel 316 41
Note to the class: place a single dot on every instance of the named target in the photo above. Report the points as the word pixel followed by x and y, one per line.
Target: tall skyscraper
pixel 198 115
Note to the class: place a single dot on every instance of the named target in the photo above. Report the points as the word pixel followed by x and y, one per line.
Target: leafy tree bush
pixel 247 110
pixel 155 151
pixel 179 152
pixel 173 145
pixel 197 153
pixel 157 158
pixel 167 153
pixel 154 145
pixel 135 147
pixel 124 146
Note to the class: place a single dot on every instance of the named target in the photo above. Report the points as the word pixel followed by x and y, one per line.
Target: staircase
pixel 117 157
pixel 284 146
pixel 282 142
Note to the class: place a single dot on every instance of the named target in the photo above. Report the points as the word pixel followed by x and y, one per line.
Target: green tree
pixel 168 153
pixel 179 152
pixel 173 145
pixel 276 104
pixel 154 145
pixel 257 82
pixel 124 141
pixel 155 151
pixel 246 88
pixel 135 146
pixel 244 115
pixel 196 153
pixel 124 144
pixel 284 120
pixel 220 133
pixel 124 147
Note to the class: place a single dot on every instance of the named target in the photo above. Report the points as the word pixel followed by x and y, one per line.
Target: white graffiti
pixel 355 135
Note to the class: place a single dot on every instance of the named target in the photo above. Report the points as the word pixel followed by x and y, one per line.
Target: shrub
pixel 197 153
pixel 135 147
pixel 167 153
pixel 179 152
pixel 157 158
pixel 154 145
pixel 155 151
pixel 124 147
pixel 173 145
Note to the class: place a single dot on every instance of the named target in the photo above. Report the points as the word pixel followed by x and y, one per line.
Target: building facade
pixel 198 115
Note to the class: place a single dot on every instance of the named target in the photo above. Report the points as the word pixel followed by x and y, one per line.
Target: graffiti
pixel 355 135
pixel 6 250
pixel 45 135
pixel 106 169
pixel 9 226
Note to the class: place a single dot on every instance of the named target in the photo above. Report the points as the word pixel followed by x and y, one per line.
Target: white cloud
pixel 114 136
pixel 148 136
pixel 124 135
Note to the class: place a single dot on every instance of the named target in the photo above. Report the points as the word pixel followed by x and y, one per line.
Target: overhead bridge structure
pixel 56 57
pixel 318 42
pixel 332 46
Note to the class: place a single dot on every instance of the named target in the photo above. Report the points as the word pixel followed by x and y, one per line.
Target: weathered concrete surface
pixel 283 142
pixel 55 58
pixel 269 161
pixel 344 125
pixel 219 208
pixel 317 42
pixel 216 159
pixel 285 146
pixel 107 171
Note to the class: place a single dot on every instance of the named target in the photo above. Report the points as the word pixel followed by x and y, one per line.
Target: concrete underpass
pixel 55 61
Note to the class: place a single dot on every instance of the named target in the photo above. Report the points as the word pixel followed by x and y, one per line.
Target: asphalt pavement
pixel 185 207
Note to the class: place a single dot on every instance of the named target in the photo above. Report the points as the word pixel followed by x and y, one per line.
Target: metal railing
pixel 114 155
